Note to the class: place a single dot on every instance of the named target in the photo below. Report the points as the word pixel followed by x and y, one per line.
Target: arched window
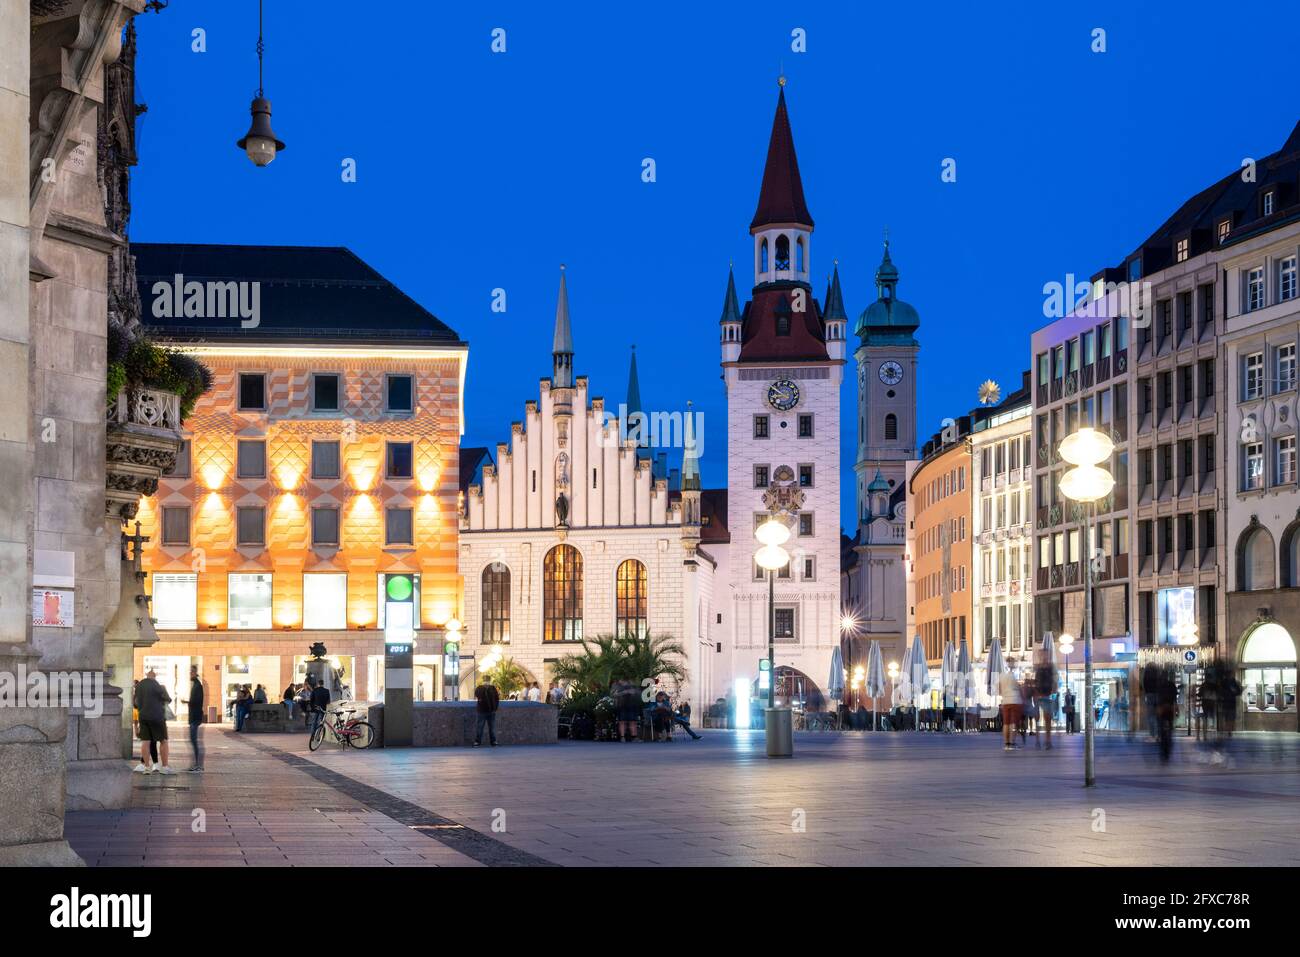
pixel 631 600
pixel 1290 554
pixel 762 255
pixel 799 255
pixel 562 594
pixel 496 604
pixel 782 253
pixel 891 427
pixel 1268 663
pixel 1255 560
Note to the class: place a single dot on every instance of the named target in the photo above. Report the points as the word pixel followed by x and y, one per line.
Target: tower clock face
pixel 891 373
pixel 783 394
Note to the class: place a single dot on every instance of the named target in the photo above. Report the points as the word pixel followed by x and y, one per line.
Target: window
pixel 1089 346
pixel 1253 384
pixel 176 525
pixel 782 253
pixel 1255 289
pixel 1284 456
pixel 809 568
pixel 1105 341
pixel 400 394
pixel 784 630
pixel 805 476
pixel 1206 295
pixel 181 468
pixel 325 525
pixel 630 617
pixel 325 600
pixel 782 321
pixel 562 594
pixel 1044 369
pixel 806 426
pixel 175 600
pixel 805 524
pixel 1253 472
pixel 325 392
pixel 400 457
pixel 891 427
pixel 761 476
pixel 251 459
pixel 251 522
pixel 1286 279
pixel 248 600
pixel 760 427
pixel 252 391
pixel 1285 367
pixel 1181 249
pixel 1225 227
pixel 399 526
pixel 324 460
pixel 496 604
pixel 1266 208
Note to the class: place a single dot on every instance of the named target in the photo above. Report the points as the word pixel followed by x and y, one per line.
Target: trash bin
pixel 780 732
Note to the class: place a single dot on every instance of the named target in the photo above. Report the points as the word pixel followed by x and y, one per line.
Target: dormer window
pixel 1182 249
pixel 1135 269
pixel 1266 203
pixel 1225 227
pixel 782 325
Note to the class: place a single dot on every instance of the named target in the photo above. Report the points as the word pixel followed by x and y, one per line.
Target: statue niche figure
pixel 562 510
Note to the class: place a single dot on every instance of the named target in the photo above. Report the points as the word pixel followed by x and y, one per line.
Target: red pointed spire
pixel 781 198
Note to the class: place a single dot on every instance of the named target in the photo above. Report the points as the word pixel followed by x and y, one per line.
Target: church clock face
pixel 891 373
pixel 783 394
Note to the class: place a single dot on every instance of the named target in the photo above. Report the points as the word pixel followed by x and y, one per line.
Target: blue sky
pixel 478 171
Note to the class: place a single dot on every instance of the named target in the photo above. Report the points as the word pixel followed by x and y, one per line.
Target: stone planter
pixel 144 437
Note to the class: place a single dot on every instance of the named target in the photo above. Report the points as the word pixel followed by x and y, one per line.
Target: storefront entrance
pixel 251 670
pixel 173 673
pixel 1267 672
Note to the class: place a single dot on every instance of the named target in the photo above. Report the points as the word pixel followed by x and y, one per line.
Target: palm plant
pixel 507 676
pixel 605 659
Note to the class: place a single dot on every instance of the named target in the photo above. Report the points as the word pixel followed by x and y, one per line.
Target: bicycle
pixel 352 733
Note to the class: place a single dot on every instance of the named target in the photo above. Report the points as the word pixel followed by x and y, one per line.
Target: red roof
pixel 760 341
pixel 781 198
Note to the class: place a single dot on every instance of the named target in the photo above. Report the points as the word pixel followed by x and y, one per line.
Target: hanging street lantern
pixel 260 143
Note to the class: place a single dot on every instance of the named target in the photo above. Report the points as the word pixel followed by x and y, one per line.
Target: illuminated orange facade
pixel 939 499
pixel 313 468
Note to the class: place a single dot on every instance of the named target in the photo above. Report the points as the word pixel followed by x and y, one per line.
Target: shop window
pixel 1268 661
pixel 325 600
pixel 249 600
pixel 174 600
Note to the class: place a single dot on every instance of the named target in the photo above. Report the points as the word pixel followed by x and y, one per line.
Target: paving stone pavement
pixel 844 799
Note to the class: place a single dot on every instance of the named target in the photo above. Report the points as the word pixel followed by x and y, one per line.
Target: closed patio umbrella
pixel 918 672
pixel 835 686
pixel 965 680
pixel 993 669
pixel 903 683
pixel 875 679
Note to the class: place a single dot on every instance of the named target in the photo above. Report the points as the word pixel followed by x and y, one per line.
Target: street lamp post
pixel 1085 484
pixel 771 557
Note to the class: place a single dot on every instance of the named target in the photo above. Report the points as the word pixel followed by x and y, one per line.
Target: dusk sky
pixel 478 170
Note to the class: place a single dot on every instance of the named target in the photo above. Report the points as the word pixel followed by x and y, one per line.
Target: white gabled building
pixel 576 531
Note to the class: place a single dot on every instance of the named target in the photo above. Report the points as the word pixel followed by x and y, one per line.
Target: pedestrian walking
pixel 1012 703
pixel 196 718
pixel 487 701
pixel 1069 711
pixel 1166 695
pixel 1150 684
pixel 1045 694
pixel 152 699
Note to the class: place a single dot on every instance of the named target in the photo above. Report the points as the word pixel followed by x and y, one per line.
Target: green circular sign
pixel 399 587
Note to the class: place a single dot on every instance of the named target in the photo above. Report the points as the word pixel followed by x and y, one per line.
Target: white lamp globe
pixel 1086 447
pixel 772 558
pixel 773 532
pixel 1086 483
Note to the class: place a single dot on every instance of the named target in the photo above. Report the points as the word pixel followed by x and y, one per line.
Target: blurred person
pixel 1069 711
pixel 259 696
pixel 1028 709
pixel 1150 685
pixel 662 717
pixel 949 711
pixel 627 703
pixel 1012 704
pixel 487 700
pixel 1166 695
pixel 1045 694
pixel 195 709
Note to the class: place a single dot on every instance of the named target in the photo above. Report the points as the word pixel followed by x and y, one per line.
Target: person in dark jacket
pixel 196 717
pixel 320 701
pixel 488 700
pixel 152 699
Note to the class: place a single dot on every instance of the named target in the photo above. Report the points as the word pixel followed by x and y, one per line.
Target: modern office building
pixel 323 460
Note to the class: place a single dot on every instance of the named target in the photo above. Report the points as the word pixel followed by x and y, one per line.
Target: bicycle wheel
pixel 317 737
pixel 363 735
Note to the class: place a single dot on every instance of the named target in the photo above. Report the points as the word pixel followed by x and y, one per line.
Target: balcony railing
pixel 150 407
